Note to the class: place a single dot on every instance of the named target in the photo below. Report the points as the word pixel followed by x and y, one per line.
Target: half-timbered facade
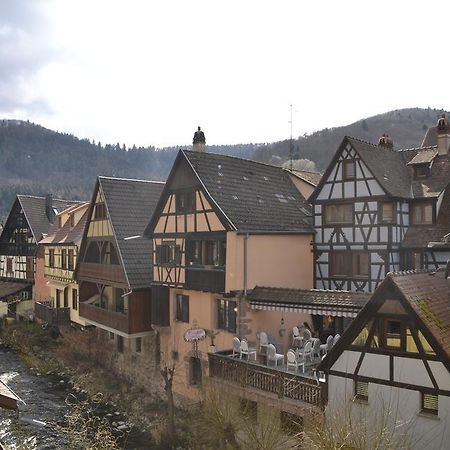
pixel 391 368
pixel 378 210
pixel 222 226
pixel 29 219
pixel 114 269
pixel 59 251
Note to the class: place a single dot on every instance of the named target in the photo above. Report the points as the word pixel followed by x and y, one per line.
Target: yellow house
pixel 59 250
pixel 223 225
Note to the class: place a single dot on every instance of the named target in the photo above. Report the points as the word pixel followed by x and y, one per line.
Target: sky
pixel 149 72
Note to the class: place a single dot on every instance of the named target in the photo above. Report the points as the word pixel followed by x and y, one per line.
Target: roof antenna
pixel 291 146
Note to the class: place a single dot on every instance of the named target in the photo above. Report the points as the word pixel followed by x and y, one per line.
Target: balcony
pixel 101 316
pixel 107 273
pixel 249 374
pixel 209 280
pixel 53 316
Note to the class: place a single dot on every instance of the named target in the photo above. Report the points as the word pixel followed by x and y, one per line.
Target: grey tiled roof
pixel 10 287
pixel 311 177
pixel 255 197
pixel 130 204
pixel 424 156
pixel 34 210
pixel 390 168
pixel 316 297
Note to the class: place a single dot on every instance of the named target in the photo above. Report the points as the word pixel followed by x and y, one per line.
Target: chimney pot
pixel 386 141
pixel 443 135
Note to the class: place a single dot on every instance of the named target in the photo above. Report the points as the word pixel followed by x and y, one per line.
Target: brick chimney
pixel 443 135
pixel 386 141
pixel 49 211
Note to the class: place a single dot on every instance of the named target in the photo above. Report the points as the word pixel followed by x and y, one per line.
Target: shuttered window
pixel 362 390
pixel 430 403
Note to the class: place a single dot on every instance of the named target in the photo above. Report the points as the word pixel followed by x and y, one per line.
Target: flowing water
pixel 45 404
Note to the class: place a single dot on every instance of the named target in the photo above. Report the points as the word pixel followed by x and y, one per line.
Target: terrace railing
pixel 279 382
pixel 53 316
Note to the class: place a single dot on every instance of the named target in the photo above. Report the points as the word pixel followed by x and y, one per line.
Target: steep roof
pixel 34 210
pixel 313 178
pixel 255 197
pixel 130 205
pixel 428 293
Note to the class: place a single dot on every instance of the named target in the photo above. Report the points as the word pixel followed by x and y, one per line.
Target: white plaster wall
pixel 375 366
pixel 441 375
pixel 347 361
pixel 411 371
pixel 392 410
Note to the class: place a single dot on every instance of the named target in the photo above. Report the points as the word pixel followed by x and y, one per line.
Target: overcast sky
pixel 148 72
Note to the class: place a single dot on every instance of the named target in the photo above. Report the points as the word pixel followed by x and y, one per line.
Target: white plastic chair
pixel 236 346
pixel 307 351
pixel 336 338
pixel 325 348
pixel 272 355
pixel 316 348
pixel 263 340
pixel 296 336
pixel 293 362
pixel 307 335
pixel 245 350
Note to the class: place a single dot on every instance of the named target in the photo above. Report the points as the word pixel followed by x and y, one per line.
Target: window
pixel 100 211
pixel 30 267
pixel 422 214
pixel 393 333
pixel 70 259
pixel 9 265
pixel 121 301
pixel 182 304
pixel 430 404
pixel 362 390
pixel 349 264
pixel 168 253
pixel 64 258
pixel 74 299
pixel 421 170
pixel 226 314
pixel 185 201
pixel 111 335
pixel 360 264
pixel 207 253
pixel 58 298
pixel 386 212
pixel 119 344
pixel 349 171
pixel 109 254
pixel 339 214
pixel 51 258
pixel 138 345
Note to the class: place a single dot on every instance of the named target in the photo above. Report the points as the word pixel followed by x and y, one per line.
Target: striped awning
pixel 321 310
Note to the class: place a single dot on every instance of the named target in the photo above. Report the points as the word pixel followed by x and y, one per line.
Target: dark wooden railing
pixel 210 280
pixel 108 273
pixel 111 319
pixel 279 382
pixel 53 316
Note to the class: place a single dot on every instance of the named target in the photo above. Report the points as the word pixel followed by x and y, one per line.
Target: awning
pixel 336 311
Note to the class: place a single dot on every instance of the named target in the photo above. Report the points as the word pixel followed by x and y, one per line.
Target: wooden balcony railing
pixel 110 319
pixel 200 279
pixel 283 384
pixel 53 316
pixel 107 273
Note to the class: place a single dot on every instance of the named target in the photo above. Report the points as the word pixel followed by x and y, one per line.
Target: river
pixel 45 404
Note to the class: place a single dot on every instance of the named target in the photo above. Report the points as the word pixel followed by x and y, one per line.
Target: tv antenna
pixel 291 145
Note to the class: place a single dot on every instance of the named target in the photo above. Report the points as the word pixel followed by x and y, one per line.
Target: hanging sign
pixel 194 335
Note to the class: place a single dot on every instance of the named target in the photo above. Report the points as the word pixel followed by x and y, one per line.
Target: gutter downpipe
pixel 246 236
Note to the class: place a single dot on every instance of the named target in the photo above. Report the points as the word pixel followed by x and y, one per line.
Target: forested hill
pixel 35 160
pixel 406 126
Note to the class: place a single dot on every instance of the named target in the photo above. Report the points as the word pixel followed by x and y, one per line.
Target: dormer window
pixel 349 170
pixel 422 213
pixel 185 201
pixel 421 171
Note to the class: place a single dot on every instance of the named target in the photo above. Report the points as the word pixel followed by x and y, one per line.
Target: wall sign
pixel 194 335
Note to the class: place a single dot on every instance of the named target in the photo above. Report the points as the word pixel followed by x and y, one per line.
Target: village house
pixel 389 374
pixel 29 220
pixel 224 225
pixel 60 252
pixel 378 210
pixel 114 272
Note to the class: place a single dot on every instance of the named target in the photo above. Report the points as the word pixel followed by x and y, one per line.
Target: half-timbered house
pixel 29 219
pixel 378 210
pixel 114 268
pixel 59 251
pixel 390 371
pixel 222 226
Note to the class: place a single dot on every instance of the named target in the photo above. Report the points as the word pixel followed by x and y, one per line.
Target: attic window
pixel 220 174
pixel 235 197
pixel 281 198
pixel 266 178
pixel 421 170
pixel 245 178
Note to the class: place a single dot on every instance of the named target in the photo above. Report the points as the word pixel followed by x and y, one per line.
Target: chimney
pixel 199 141
pixel 386 141
pixel 49 212
pixel 443 135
